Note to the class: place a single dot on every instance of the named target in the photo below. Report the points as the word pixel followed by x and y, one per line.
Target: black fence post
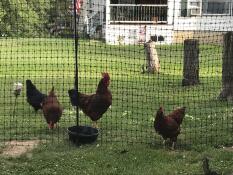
pixel 76 41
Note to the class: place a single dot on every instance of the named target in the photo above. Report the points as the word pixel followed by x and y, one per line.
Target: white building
pixel 92 19
pixel 167 21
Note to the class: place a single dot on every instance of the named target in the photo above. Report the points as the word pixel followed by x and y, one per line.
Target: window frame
pixel 229 13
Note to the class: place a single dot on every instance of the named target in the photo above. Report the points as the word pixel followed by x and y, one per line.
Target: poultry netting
pixel 164 53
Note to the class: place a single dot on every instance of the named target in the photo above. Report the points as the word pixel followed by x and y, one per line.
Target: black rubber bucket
pixel 82 134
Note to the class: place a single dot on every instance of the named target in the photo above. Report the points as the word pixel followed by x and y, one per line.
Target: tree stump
pixel 152 59
pixel 191 62
pixel 227 68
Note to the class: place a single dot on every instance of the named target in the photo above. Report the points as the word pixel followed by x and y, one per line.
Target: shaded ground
pixel 228 148
pixel 64 158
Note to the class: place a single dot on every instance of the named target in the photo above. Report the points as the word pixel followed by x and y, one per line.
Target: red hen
pixel 52 109
pixel 94 105
pixel 169 126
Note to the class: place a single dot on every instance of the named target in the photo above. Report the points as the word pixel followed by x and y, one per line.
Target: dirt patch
pixel 228 148
pixel 17 148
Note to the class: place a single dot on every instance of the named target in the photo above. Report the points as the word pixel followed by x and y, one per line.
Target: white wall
pixel 170 13
pixel 201 23
pixel 209 23
pixel 88 13
pixel 130 34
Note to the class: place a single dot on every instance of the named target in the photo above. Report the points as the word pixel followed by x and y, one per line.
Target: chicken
pixel 93 105
pixel 169 126
pixel 206 168
pixel 178 115
pixel 34 96
pixel 52 109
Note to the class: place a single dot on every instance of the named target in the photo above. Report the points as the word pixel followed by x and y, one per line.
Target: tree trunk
pixel 227 68
pixel 152 59
pixel 191 62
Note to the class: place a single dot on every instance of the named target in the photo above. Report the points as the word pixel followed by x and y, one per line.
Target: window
pixel 183 8
pixel 143 11
pixel 122 2
pixel 138 2
pixel 221 7
pixel 90 3
pixel 205 7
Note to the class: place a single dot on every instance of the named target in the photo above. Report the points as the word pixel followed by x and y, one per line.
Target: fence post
pixel 152 59
pixel 227 68
pixel 191 62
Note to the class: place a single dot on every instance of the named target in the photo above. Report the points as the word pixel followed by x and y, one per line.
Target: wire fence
pixel 38 44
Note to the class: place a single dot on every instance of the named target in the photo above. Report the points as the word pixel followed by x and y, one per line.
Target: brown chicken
pixel 94 105
pixel 52 109
pixel 169 126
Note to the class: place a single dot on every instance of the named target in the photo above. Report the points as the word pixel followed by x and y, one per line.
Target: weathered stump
pixel 152 59
pixel 227 68
pixel 191 62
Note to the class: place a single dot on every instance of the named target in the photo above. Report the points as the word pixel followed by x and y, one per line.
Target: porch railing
pixel 132 13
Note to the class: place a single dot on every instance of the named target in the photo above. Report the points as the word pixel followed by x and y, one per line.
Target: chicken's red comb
pixel 105 75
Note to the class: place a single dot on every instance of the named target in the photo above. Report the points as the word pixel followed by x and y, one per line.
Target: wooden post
pixel 152 59
pixel 191 62
pixel 227 68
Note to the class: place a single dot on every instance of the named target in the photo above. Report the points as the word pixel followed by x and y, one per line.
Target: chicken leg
pixel 173 145
pixel 164 143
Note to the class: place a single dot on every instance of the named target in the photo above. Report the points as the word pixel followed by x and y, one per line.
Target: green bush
pixel 34 18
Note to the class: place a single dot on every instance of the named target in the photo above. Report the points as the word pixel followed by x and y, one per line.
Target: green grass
pixel 136 97
pixel 116 159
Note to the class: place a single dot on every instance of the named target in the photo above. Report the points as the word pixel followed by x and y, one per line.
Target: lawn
pixel 129 123
pixel 115 159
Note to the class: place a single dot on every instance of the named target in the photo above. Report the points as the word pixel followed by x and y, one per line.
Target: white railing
pixel 132 13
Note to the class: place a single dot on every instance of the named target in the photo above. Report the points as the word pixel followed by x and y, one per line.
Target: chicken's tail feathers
pixel 159 113
pixel 183 108
pixel 74 96
pixel 52 89
pixel 52 93
pixel 30 87
pixel 178 115
pixel 29 84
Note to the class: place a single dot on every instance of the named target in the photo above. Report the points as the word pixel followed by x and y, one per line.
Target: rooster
pixel 34 96
pixel 52 109
pixel 169 126
pixel 94 105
